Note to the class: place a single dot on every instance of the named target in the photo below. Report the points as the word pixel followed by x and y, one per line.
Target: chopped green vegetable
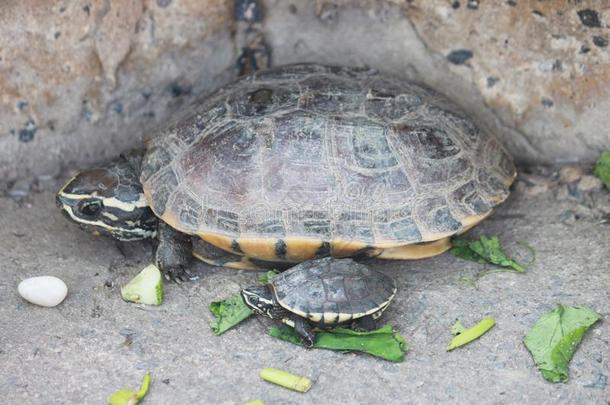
pixel 266 277
pixel 383 342
pixel 464 336
pixel 457 328
pixel 554 338
pixel 228 313
pixel 472 280
pixel 128 397
pixel 145 288
pixel 286 379
pixel 484 250
pixel 255 402
pixel 602 168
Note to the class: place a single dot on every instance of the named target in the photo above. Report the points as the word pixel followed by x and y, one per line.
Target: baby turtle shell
pixel 331 291
pixel 303 161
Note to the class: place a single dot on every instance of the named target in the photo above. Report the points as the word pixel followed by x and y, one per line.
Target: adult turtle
pixel 323 293
pixel 300 162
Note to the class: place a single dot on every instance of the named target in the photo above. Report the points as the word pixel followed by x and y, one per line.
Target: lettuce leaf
pixel 384 342
pixel 555 337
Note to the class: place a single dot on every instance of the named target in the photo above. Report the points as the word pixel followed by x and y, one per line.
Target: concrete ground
pixel 94 343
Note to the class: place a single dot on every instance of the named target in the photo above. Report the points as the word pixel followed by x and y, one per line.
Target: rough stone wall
pixel 82 80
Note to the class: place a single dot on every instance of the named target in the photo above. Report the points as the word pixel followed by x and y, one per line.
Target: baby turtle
pixel 296 163
pixel 322 294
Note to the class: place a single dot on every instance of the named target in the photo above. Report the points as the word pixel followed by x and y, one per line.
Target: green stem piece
pixel 286 379
pixel 144 387
pixel 128 397
pixel 471 334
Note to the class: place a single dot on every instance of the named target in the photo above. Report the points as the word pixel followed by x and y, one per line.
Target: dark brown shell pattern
pixel 337 290
pixel 325 153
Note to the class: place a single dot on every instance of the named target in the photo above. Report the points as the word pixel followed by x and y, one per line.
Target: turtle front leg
pixel 303 328
pixel 173 253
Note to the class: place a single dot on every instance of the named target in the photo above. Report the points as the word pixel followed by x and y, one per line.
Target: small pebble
pixel 46 291
pixel 473 4
pixel 532 185
pixel 600 382
pixel 589 183
pixel 328 13
pixel 459 56
pixel 599 41
pixel 20 189
pixel 589 17
pixel 568 217
pixel 536 189
pixel 492 80
pixel 551 65
pixel 570 174
pixel 574 191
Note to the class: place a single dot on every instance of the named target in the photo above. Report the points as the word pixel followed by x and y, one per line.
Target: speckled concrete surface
pixel 94 343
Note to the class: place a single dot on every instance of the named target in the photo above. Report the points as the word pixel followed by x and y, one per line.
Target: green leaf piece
pixel 464 336
pixel 602 168
pixel 266 277
pixel 384 342
pixel 284 332
pixel 128 397
pixel 555 337
pixel 487 249
pixel 228 313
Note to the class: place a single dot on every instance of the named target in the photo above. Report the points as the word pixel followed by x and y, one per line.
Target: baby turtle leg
pixel 302 327
pixel 173 253
pixel 366 324
pixel 416 250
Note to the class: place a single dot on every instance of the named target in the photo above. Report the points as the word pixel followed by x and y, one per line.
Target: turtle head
pixel 109 200
pixel 260 300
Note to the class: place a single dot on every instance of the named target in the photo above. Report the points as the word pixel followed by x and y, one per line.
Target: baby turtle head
pixel 109 200
pixel 260 300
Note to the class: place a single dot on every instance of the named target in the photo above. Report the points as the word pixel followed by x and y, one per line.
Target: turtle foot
pixel 364 324
pixel 308 341
pixel 178 274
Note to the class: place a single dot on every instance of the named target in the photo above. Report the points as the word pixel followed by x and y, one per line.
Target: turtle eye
pixel 90 208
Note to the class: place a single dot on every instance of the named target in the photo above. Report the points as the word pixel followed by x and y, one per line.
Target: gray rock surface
pixel 84 80
pixel 81 81
pixel 94 343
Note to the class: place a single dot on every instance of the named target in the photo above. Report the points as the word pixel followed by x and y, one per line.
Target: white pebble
pixel 46 291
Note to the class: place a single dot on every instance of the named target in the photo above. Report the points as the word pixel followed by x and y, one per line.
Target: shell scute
pixel 332 287
pixel 331 154
pixel 397 225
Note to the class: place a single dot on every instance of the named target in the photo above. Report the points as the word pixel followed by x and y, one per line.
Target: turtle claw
pixel 177 274
pixel 308 341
